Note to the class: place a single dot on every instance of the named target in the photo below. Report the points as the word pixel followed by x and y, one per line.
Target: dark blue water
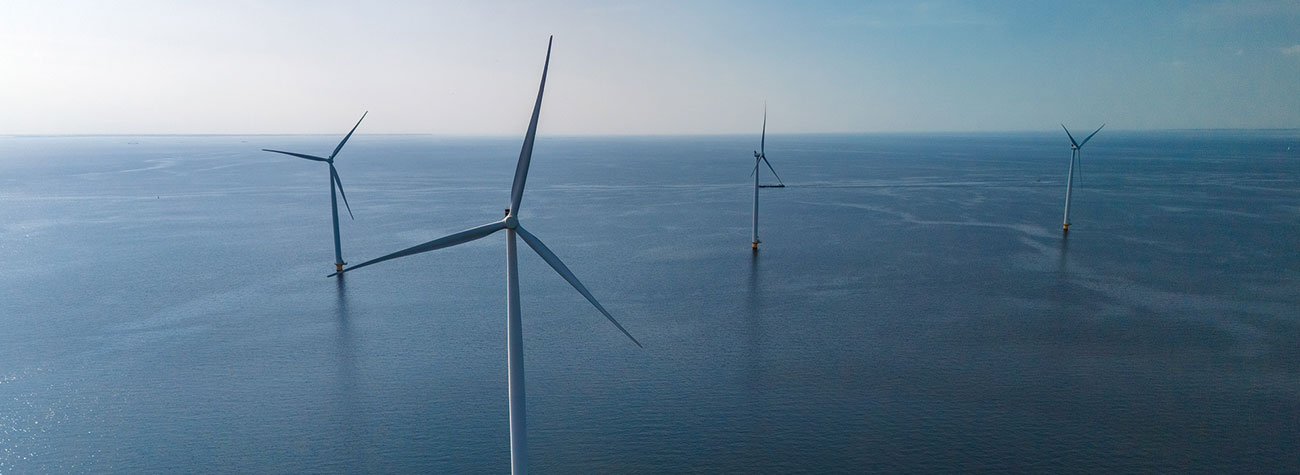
pixel 914 308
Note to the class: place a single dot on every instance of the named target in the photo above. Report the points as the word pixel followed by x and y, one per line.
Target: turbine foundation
pixel 1065 228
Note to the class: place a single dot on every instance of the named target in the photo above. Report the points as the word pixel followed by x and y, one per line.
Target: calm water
pixel 164 306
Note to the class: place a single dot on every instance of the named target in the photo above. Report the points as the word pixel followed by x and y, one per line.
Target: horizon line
pixel 703 134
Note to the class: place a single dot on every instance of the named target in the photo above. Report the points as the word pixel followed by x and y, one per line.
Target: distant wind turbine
pixel 334 180
pixel 1075 148
pixel 760 157
pixel 514 328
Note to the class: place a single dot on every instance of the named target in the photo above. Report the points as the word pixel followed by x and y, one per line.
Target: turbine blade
pixel 349 135
pixel 334 173
pixel 755 167
pixel 769 167
pixel 526 153
pixel 564 272
pixel 1092 134
pixel 299 155
pixel 762 141
pixel 445 241
pixel 1067 133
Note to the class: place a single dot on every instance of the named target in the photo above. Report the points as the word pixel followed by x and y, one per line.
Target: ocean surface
pixel 914 307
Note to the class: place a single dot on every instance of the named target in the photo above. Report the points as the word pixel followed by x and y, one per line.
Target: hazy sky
pixel 645 67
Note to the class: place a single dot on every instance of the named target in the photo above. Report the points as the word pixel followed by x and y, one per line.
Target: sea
pixel 914 306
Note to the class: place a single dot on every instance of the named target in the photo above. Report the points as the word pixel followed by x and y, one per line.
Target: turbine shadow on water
pixel 349 404
pixel 340 286
pixel 758 432
pixel 1063 257
pixel 753 318
pixel 343 338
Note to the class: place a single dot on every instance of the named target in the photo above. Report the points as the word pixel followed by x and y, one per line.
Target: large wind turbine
pixel 759 158
pixel 1075 148
pixel 514 329
pixel 334 180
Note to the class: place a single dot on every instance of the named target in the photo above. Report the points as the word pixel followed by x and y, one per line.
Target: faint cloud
pixel 1291 50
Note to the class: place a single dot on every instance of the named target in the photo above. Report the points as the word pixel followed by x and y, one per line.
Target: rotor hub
pixel 511 222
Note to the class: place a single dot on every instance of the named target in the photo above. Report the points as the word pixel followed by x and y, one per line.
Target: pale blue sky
pixel 645 67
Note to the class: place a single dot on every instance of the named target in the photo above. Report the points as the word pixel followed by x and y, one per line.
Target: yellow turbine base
pixel 1065 227
pixel 338 267
pixel 755 245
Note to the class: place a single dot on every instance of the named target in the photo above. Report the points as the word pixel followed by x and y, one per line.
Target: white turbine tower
pixel 514 328
pixel 334 179
pixel 1075 148
pixel 760 157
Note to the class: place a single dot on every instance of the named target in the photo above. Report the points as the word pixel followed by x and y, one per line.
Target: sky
pixel 645 68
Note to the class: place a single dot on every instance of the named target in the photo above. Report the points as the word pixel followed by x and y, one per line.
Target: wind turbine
pixel 759 158
pixel 334 180
pixel 1075 148
pixel 514 328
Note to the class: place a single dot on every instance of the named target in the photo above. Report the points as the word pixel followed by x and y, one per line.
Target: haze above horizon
pixel 633 68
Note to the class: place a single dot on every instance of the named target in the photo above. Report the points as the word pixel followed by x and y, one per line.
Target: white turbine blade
pixel 349 135
pixel 762 141
pixel 769 167
pixel 299 155
pixel 1092 134
pixel 446 241
pixel 335 174
pixel 564 272
pixel 526 154
pixel 755 167
pixel 1067 133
